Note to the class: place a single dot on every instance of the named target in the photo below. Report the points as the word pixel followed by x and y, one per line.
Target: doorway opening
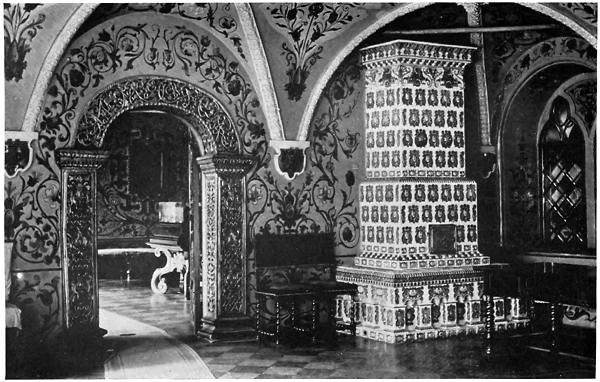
pixel 148 206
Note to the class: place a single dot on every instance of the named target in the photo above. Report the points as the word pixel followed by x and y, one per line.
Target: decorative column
pixel 79 238
pixel 224 246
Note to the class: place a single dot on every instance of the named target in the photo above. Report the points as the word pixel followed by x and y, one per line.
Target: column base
pixel 227 329
pixel 406 336
pixel 411 305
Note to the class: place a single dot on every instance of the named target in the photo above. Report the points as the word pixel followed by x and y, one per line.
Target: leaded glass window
pixel 562 157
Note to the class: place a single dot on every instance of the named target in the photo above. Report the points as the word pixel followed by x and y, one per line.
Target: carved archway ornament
pixel 211 126
pixel 222 173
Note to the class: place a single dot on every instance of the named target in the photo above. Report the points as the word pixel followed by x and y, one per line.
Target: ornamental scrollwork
pixel 438 292
pixel 331 142
pixel 81 290
pixel 321 202
pixel 159 49
pixel 307 26
pixel 232 225
pixel 218 17
pixel 463 291
pixel 414 295
pixel 324 197
pixel 20 27
pixel 210 204
pixel 216 130
pixel 584 11
pixel 41 291
pixel 31 208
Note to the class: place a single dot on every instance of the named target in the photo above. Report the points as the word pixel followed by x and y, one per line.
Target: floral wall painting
pixel 323 198
pixel 20 27
pixel 217 17
pixel 32 197
pixel 306 27
pixel 584 11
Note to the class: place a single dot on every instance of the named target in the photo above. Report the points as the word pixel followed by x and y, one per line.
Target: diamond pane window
pixel 563 180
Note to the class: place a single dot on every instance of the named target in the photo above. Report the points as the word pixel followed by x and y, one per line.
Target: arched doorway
pixel 222 170
pixel 146 193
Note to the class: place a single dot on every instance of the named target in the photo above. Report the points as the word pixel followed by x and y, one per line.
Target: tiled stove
pixel 417 271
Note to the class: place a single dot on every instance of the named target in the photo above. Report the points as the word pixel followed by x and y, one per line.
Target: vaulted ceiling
pixel 289 51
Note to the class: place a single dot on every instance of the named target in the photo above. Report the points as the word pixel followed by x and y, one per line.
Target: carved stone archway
pixel 211 125
pixel 222 168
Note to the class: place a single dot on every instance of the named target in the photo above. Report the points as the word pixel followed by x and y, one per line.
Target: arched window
pixel 562 160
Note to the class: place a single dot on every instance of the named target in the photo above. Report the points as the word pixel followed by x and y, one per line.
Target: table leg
pixel 489 324
pixel 352 318
pixel 331 320
pixel 277 320
pixel 186 289
pixel 293 312
pixel 128 266
pixel 314 312
pixel 258 317
pixel 158 284
pixel 531 313
pixel 555 318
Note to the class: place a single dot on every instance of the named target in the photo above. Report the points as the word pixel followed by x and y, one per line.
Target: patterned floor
pixel 349 357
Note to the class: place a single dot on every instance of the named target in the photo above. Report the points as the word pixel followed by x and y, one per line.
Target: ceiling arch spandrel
pixel 220 19
pixel 147 44
pixel 300 39
pixel 29 34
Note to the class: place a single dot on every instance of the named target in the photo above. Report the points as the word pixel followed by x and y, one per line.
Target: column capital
pixel 226 164
pixel 82 159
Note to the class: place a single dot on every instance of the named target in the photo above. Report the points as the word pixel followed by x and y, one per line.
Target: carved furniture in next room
pixel 166 242
pixel 293 271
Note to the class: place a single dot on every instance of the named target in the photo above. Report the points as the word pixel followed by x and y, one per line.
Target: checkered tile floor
pixel 348 357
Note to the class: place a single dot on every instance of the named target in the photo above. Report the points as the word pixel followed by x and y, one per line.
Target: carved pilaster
pixel 79 237
pixel 224 246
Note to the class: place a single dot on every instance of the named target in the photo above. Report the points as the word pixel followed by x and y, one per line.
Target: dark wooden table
pixel 555 278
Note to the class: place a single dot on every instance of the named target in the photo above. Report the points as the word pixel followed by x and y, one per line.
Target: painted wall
pixel 29 32
pixel 301 39
pixel 194 48
pixel 129 45
pixel 305 30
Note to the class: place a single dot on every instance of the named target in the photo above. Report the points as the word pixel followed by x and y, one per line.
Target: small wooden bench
pixel 292 268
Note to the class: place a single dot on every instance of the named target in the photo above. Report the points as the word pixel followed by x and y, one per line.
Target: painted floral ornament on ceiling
pixel 307 26
pixel 221 18
pixel 20 27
